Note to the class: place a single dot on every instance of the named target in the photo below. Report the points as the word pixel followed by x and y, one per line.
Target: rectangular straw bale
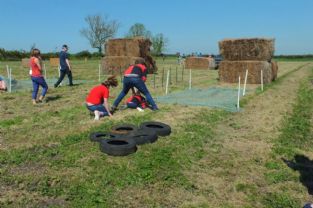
pixel 25 62
pixel 197 63
pixel 229 71
pixel 54 62
pixel 113 64
pixel 136 47
pixel 260 49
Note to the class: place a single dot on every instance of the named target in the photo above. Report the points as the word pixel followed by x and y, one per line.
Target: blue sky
pixel 190 25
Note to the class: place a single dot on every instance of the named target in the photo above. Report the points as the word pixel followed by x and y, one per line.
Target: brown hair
pixel 140 61
pixel 110 82
pixel 35 52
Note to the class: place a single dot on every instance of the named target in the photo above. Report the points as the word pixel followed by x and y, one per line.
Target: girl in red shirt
pixel 137 101
pixel 97 99
pixel 36 76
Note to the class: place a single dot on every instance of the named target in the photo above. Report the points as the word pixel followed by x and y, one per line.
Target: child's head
pixel 35 53
pixel 111 82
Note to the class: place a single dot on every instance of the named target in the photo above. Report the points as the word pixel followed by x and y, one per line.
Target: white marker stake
pixel 44 68
pixel 99 72
pixel 262 80
pixel 167 81
pixel 244 86
pixel 190 79
pixel 8 71
pixel 10 80
pixel 238 100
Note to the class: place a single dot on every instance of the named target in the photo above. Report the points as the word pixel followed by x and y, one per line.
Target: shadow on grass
pixel 53 98
pixel 304 165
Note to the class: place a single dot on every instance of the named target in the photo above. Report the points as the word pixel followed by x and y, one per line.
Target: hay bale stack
pixel 197 62
pixel 260 49
pixel 229 71
pixel 54 62
pixel 25 62
pixel 136 47
pixel 122 52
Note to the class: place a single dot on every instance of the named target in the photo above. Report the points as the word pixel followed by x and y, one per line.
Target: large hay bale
pixel 117 64
pixel 260 49
pixel 274 70
pixel 25 62
pixel 229 71
pixel 135 47
pixel 113 64
pixel 54 62
pixel 197 63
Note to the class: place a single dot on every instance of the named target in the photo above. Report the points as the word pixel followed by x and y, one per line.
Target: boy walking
pixel 65 67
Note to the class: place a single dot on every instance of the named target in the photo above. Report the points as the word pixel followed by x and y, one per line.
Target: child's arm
pixel 106 105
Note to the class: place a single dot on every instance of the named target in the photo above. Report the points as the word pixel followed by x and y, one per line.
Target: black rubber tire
pixel 98 136
pixel 118 147
pixel 161 129
pixel 143 136
pixel 124 129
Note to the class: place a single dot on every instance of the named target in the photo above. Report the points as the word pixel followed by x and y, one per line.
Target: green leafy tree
pixel 159 43
pixel 138 29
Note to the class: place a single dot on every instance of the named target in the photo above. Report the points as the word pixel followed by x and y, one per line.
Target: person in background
pixel 135 77
pixel 37 77
pixel 65 67
pixel 97 99
pixel 137 101
pixel 3 86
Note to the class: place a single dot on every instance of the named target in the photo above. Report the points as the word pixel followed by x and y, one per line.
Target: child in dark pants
pixel 137 101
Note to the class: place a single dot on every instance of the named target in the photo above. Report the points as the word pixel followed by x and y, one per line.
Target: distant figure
pixel 65 67
pixel 135 77
pixel 163 56
pixel 36 76
pixel 97 99
pixel 3 86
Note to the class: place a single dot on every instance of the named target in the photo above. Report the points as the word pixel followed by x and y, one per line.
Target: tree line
pixel 17 55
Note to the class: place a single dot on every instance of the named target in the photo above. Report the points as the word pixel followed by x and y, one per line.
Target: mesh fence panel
pixel 224 98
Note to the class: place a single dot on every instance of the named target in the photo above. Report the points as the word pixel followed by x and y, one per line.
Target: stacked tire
pixel 123 139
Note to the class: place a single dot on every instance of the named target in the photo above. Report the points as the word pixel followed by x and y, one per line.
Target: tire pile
pixel 123 139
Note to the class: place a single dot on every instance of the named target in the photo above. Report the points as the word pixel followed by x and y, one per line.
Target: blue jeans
pixel 129 82
pixel 99 108
pixel 132 105
pixel 39 81
pixel 63 72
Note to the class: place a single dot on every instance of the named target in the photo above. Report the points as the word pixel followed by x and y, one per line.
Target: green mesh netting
pixel 20 85
pixel 224 98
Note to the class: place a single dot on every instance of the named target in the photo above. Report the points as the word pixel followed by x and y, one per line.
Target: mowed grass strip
pixel 290 164
pixel 77 172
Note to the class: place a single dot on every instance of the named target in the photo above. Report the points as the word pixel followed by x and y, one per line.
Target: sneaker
pixel 113 109
pixel 97 116
pixel 55 86
pixel 140 109
pixel 155 109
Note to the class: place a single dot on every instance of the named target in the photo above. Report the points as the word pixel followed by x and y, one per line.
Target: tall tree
pixel 159 43
pixel 138 29
pixel 99 30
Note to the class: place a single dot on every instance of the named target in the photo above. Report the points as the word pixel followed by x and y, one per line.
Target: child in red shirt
pixel 137 101
pixel 97 99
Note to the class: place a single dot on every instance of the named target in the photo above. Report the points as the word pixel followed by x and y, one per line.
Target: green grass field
pixel 213 158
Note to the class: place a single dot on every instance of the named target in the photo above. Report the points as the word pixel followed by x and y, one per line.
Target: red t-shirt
pixel 97 94
pixel 35 69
